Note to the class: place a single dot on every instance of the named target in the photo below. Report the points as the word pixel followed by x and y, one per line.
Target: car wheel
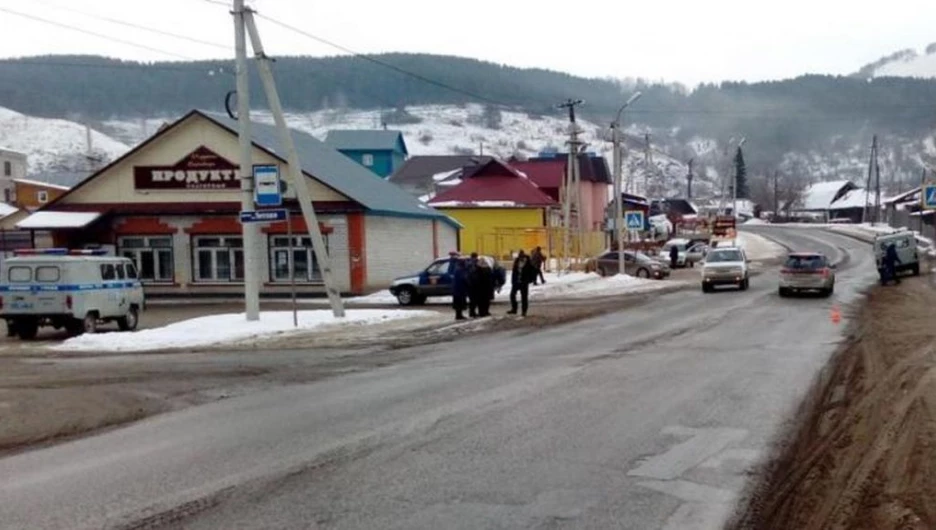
pixel 129 321
pixel 783 292
pixel 706 288
pixel 602 271
pixel 89 324
pixel 744 285
pixel 643 273
pixel 27 329
pixel 406 296
pixel 916 269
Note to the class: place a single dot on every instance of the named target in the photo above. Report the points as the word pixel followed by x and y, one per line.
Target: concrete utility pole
pixel 776 193
pixel 618 161
pixel 250 231
pixel 872 162
pixel 295 171
pixel 572 194
pixel 877 185
pixel 726 177
pixel 648 162
pixel 689 177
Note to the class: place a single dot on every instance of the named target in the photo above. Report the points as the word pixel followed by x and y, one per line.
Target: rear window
pixel 19 274
pixel 805 262
pixel 722 256
pixel 48 274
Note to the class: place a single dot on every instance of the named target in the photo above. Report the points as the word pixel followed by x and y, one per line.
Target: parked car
pixel 435 281
pixel 906 244
pixel 74 290
pixel 682 246
pixel 807 271
pixel 725 266
pixel 635 264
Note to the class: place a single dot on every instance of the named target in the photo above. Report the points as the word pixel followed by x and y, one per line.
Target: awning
pixel 50 220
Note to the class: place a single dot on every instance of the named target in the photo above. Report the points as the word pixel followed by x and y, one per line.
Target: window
pixel 131 272
pixel 367 159
pixel 7 198
pixel 305 264
pixel 219 259
pixel 20 274
pixel 47 274
pixel 439 267
pixel 108 272
pixel 151 256
pixel 7 168
pixel 121 274
pixel 805 262
pixel 42 196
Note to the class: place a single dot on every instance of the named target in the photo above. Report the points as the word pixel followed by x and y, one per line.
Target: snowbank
pixel 216 329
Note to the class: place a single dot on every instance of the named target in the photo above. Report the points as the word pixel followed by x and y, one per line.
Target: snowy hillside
pixel 54 144
pixel 906 63
pixel 453 129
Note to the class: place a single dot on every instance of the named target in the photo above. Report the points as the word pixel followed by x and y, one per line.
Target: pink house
pixel 549 172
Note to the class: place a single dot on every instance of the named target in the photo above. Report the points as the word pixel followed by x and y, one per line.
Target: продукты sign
pixel 202 169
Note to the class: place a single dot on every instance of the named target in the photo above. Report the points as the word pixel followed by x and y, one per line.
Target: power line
pixel 109 65
pixel 383 63
pixel 89 32
pixel 136 26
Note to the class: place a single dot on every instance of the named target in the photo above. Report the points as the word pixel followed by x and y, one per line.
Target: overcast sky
pixel 674 40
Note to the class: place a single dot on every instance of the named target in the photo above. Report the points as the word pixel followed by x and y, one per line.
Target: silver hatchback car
pixel 807 271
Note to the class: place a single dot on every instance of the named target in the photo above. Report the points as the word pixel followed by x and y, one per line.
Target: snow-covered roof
pixel 48 219
pixel 41 183
pixel 476 204
pixel 7 209
pixel 820 195
pixel 857 198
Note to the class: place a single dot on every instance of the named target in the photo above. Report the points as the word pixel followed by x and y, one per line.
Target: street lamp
pixel 616 142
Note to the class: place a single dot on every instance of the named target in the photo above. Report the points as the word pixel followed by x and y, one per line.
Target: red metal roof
pixel 543 173
pixel 494 185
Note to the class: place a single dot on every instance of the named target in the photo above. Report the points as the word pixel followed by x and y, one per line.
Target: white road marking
pixel 682 457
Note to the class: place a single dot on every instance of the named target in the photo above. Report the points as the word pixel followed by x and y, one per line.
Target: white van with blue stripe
pixel 75 290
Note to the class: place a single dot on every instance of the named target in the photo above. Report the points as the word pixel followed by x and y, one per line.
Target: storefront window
pixel 151 255
pixel 219 259
pixel 305 264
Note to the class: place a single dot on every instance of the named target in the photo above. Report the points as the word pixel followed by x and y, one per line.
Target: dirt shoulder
pixel 863 451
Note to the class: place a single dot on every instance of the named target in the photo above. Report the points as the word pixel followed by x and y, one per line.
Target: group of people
pixel 476 280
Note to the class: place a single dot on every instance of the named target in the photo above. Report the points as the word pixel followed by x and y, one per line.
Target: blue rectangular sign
pixel 267 191
pixel 634 220
pixel 263 216
pixel 929 196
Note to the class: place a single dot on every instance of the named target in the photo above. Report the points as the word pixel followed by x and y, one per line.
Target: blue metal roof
pixel 366 140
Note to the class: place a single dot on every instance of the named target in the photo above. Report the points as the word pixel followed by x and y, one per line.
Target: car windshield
pixel 805 262
pixel 724 256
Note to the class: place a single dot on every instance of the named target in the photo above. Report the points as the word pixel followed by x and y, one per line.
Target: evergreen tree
pixel 741 176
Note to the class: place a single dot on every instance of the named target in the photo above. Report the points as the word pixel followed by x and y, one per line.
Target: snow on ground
pixel 48 142
pixel 567 285
pixel 232 327
pixel 755 221
pixel 759 248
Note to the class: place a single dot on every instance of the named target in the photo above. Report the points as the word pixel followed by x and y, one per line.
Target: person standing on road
pixel 539 260
pixel 891 259
pixel 673 256
pixel 471 271
pixel 459 286
pixel 484 283
pixel 522 276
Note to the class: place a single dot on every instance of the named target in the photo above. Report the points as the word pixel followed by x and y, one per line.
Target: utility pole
pixel 689 180
pixel 250 231
pixel 295 171
pixel 922 183
pixel 726 176
pixel 776 193
pixel 877 185
pixel 572 192
pixel 872 161
pixel 648 162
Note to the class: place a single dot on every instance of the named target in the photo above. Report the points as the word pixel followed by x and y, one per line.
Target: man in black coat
pixel 471 272
pixel 484 283
pixel 674 256
pixel 522 276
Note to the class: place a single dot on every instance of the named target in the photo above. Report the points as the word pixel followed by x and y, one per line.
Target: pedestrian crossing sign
pixel 634 220
pixel 929 196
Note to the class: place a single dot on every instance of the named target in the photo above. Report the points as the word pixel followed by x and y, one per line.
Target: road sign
pixel 267 191
pixel 929 196
pixel 263 216
pixel 634 220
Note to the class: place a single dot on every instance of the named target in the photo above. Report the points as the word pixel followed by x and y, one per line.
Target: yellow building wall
pixel 499 231
pixel 116 186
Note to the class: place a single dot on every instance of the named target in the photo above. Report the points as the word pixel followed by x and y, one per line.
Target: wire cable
pixel 135 26
pixel 89 32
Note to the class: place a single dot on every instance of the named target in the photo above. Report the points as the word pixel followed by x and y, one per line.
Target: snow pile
pixel 49 143
pixel 217 329
pixel 755 221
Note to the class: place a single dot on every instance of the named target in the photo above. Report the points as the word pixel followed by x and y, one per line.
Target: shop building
pixel 171 204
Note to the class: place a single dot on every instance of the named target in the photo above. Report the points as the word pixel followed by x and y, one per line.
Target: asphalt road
pixel 647 418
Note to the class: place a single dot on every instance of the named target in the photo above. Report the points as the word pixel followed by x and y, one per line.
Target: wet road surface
pixel 646 418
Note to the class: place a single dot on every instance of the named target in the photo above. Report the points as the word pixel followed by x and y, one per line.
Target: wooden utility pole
pixel 571 185
pixel 872 159
pixel 689 181
pixel 648 163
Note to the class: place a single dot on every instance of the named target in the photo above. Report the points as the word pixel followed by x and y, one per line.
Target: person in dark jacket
pixel 890 262
pixel 673 256
pixel 484 283
pixel 539 260
pixel 471 270
pixel 459 286
pixel 521 277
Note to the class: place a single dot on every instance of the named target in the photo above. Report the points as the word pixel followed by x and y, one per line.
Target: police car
pixel 74 290
pixel 435 280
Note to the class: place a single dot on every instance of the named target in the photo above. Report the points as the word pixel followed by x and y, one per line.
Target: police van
pixel 75 290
